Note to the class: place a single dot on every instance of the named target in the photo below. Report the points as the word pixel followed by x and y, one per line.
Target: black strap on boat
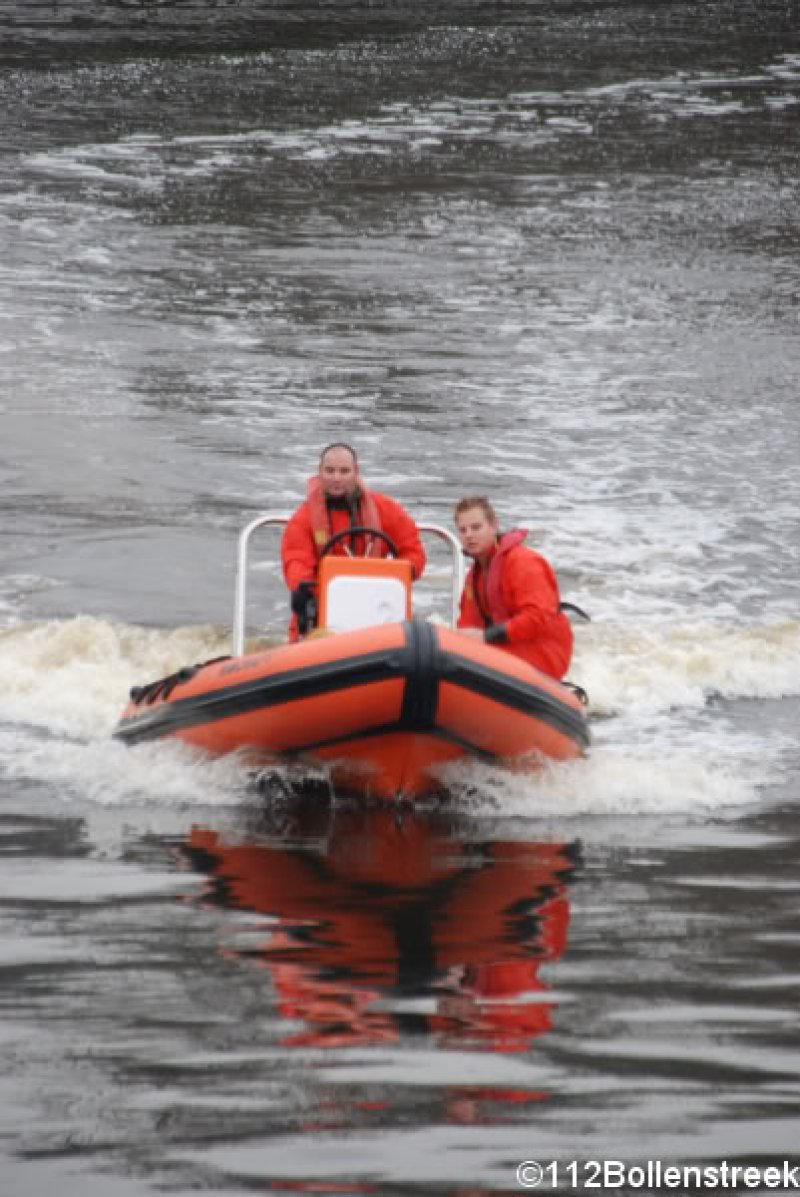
pixel 421 693
pixel 578 691
pixel 576 610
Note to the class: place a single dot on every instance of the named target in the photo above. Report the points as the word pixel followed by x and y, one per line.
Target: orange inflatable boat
pixel 382 706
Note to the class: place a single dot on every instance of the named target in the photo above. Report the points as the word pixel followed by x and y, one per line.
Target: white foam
pixel 611 781
pixel 107 773
pixel 71 677
pixel 657 667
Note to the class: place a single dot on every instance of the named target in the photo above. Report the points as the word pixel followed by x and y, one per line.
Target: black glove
pixel 496 634
pixel 304 605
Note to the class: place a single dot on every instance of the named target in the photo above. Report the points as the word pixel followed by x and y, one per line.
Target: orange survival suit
pixel 515 600
pixel 318 519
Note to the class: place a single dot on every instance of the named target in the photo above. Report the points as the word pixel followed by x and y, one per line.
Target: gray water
pixel 548 251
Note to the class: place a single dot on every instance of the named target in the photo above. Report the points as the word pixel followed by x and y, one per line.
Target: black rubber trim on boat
pixel 263 693
pixel 387 729
pixel 421 695
pixel 522 696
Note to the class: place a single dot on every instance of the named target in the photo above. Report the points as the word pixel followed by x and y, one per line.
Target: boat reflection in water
pixel 382 927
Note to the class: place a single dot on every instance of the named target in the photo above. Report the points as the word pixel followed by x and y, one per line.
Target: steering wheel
pixel 359 531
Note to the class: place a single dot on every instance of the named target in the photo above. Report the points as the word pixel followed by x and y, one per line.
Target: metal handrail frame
pixel 240 591
pixel 273 518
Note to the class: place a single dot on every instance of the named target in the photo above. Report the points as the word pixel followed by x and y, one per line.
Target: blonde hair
pixel 470 501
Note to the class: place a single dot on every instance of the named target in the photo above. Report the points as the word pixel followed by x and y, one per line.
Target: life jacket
pixel 492 600
pixel 547 641
pixel 364 515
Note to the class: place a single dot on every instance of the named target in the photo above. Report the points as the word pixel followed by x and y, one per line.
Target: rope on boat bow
pixel 165 685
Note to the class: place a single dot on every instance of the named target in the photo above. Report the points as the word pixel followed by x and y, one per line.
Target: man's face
pixel 476 531
pixel 337 472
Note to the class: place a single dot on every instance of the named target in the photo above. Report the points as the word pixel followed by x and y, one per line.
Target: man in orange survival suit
pixel 511 597
pixel 336 500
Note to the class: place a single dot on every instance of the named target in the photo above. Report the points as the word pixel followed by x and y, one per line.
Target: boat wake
pixel 665 703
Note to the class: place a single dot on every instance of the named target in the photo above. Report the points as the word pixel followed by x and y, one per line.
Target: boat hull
pixel 383 708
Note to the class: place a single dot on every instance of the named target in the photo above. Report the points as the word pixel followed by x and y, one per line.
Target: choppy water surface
pixel 548 251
